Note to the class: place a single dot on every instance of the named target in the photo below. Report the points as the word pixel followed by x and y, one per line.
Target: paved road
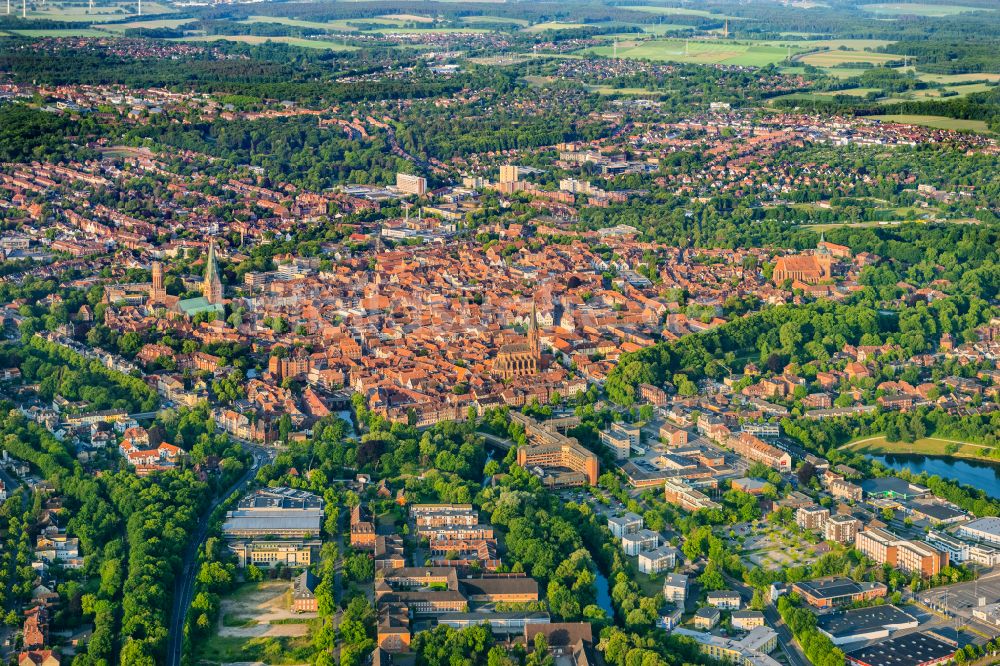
pixel 787 642
pixel 184 585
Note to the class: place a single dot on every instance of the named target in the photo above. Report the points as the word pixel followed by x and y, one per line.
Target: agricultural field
pixel 917 9
pixel 834 57
pixel 959 78
pixel 705 53
pixel 495 19
pixel 65 11
pixel 136 25
pixel 297 23
pixel 67 32
pixel 675 11
pixel 554 25
pixel 940 122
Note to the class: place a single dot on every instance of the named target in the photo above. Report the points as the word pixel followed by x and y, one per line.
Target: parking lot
pixel 962 598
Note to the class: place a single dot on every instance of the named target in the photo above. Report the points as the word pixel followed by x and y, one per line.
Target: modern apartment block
pixel 622 525
pixel 842 529
pixel 909 556
pixel 812 517
pixel 410 184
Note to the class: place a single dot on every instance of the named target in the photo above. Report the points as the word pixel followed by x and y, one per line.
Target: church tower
pixel 212 287
pixel 157 292
pixel 534 345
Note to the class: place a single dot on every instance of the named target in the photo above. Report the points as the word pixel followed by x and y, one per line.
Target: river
pixel 604 594
pixel 976 473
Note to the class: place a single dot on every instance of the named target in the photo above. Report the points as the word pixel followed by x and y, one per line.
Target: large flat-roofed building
pixel 865 624
pixel 508 623
pixel 916 649
pixel 919 557
pixel 892 487
pixel 265 553
pixel 984 529
pixel 561 460
pixel 278 512
pixel 909 556
pixel 837 591
pixel 500 590
pixel 877 544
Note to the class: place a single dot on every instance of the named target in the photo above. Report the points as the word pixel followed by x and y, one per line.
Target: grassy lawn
pixel 930 446
pixel 707 53
pixel 273 650
pixel 650 586
pixel 917 9
pixel 939 122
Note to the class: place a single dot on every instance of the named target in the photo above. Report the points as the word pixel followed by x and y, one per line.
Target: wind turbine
pixel 140 8
pixel 24 9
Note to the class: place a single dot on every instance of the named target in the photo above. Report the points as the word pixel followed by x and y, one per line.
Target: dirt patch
pixel 252 610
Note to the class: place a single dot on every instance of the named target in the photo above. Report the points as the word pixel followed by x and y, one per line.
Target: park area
pixel 928 446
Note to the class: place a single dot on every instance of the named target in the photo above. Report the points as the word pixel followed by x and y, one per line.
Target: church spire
pixel 533 342
pixel 212 287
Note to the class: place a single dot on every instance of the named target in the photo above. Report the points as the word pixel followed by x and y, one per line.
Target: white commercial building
pixel 983 529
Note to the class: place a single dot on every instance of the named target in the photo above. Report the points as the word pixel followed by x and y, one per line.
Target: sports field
pixel 917 9
pixel 939 122
pixel 705 53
